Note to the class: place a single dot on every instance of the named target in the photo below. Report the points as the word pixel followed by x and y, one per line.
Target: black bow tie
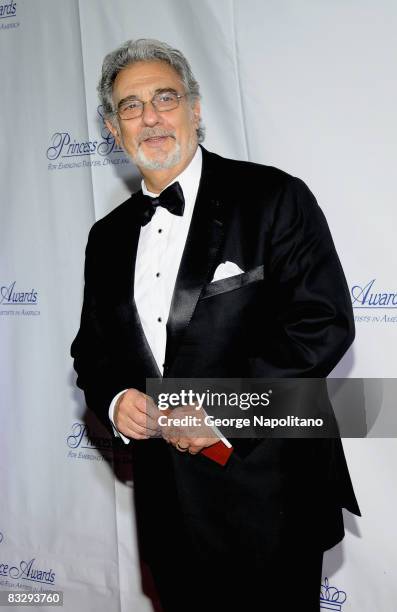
pixel 171 198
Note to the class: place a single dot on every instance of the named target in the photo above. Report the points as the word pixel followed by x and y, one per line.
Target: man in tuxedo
pixel 215 269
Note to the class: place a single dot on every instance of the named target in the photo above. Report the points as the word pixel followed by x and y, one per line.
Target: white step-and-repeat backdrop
pixel 306 86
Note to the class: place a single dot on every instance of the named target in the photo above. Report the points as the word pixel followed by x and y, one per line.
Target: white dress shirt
pixel 160 247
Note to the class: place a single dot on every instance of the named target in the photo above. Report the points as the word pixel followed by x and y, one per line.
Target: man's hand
pixel 135 415
pixel 192 437
pixel 195 445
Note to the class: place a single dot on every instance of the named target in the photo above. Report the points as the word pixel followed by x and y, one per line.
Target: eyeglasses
pixel 162 102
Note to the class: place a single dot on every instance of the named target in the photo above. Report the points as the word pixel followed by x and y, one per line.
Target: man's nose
pixel 150 116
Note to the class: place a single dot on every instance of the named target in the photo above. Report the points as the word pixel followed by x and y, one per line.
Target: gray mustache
pixel 153 133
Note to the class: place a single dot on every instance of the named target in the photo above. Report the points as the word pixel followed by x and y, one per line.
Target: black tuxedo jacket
pixel 288 315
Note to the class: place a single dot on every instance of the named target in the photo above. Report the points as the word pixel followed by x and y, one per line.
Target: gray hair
pixel 145 50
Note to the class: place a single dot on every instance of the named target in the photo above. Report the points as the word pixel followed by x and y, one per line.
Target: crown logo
pixel 331 598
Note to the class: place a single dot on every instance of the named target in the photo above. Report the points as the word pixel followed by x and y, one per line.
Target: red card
pixel 218 452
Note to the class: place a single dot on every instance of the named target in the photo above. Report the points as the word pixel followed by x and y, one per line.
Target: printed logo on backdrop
pixel 23 574
pixel 8 14
pixel 331 598
pixel 18 301
pixel 375 304
pixel 67 150
pixel 84 443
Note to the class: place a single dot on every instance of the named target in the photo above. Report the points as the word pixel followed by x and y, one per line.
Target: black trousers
pixel 241 584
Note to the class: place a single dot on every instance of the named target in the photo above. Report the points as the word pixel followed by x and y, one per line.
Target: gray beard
pixel 172 159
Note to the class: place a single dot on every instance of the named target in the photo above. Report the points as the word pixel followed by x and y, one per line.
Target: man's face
pixel 156 140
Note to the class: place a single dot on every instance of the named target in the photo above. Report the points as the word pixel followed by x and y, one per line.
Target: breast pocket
pixel 233 282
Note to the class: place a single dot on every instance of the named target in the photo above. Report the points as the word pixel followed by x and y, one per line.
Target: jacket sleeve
pixel 312 322
pixel 91 352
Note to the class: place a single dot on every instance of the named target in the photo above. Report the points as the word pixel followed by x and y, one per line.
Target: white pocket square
pixel 225 270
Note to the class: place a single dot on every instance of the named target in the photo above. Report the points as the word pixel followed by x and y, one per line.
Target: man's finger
pixel 137 423
pixel 143 421
pixel 127 409
pixel 193 451
pixel 140 401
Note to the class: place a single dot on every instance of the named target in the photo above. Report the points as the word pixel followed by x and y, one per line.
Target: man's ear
pixel 114 131
pixel 197 113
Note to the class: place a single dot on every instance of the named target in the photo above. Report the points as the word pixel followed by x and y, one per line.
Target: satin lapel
pixel 199 256
pixel 129 237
